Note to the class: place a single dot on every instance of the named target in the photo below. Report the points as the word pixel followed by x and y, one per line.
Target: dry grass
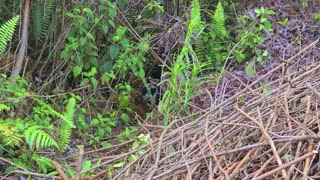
pixel 263 136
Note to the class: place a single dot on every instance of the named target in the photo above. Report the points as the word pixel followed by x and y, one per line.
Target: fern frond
pixel 38 136
pixel 44 163
pixel 41 20
pixel 67 124
pixel 195 24
pixel 69 114
pixel 219 20
pixel 199 47
pixel 9 134
pixel 48 10
pixel 6 32
pixel 36 22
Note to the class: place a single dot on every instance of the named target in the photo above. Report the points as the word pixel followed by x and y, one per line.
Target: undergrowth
pixel 102 53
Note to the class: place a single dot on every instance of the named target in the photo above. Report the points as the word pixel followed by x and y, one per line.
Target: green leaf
pixel 125 117
pixel 250 70
pixel 266 89
pixel 86 165
pixel 265 53
pixel 94 82
pixel 123 101
pixel 101 131
pixel 95 122
pixel 271 12
pixel 105 27
pixel 70 15
pixel 111 23
pixel 91 72
pixel 114 51
pixel 112 12
pixel 120 164
pixel 74 45
pixel 88 11
pixel 90 36
pixel 76 71
pixel 165 121
pixel 122 3
pixel 84 81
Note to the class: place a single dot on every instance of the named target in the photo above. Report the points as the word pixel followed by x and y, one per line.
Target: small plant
pixel 316 16
pixel 103 127
pixel 251 40
pixel 182 79
pixel 6 32
pixel 43 127
pixel 211 46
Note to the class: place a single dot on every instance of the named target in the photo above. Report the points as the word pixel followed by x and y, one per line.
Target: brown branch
pixel 61 173
pixel 263 176
pixel 313 89
pixel 24 40
pixel 31 174
pixel 78 174
pixel 267 136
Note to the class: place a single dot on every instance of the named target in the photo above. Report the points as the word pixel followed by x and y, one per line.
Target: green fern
pixel 9 135
pixel 37 135
pixel 199 47
pixel 6 32
pixel 67 124
pixel 43 163
pixel 48 10
pixel 195 24
pixel 41 20
pixel 36 21
pixel 219 20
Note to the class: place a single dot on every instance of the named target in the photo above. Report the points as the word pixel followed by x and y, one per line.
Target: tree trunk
pixel 24 40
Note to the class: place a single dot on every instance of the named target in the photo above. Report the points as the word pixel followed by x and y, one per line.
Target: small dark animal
pixel 150 98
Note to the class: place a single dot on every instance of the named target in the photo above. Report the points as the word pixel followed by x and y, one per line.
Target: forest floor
pixel 264 127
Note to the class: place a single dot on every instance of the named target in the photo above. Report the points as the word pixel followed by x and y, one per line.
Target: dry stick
pixel 258 172
pixel 287 111
pixel 307 162
pixel 306 119
pixel 115 158
pixel 43 48
pixel 313 89
pixel 273 147
pixel 78 175
pixel 244 160
pixel 156 164
pixel 31 174
pixel 303 50
pixel 61 173
pixel 301 133
pixel 12 164
pixel 248 147
pixel 212 151
pixel 262 168
pixel 214 157
pixel 245 148
pixel 232 167
pixel 99 174
pixel 286 165
pixel 210 169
